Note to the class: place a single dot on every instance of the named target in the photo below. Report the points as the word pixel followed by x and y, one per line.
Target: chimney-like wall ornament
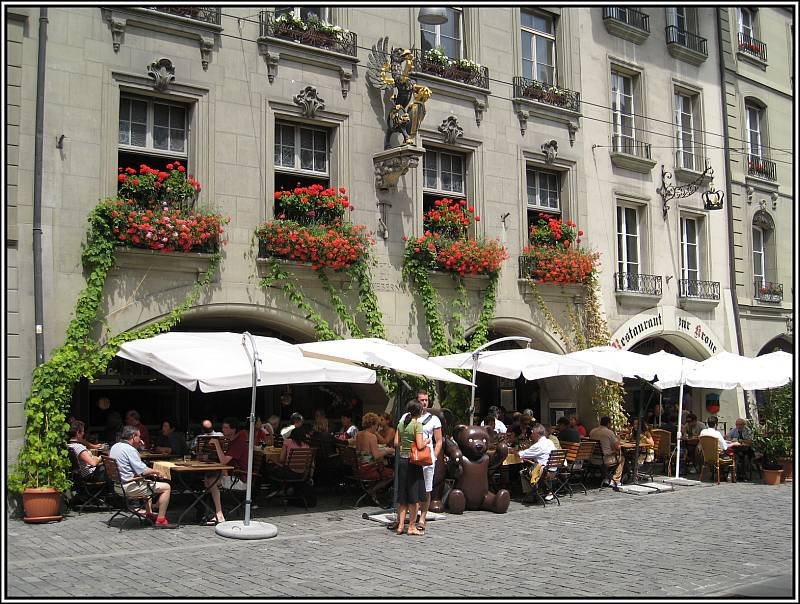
pixel 309 101
pixel 162 72
pixel 450 129
pixel 550 150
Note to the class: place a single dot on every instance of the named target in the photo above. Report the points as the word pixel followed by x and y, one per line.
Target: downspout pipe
pixel 728 186
pixel 38 303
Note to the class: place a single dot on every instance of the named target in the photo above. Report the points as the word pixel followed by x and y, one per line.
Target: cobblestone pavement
pixel 695 541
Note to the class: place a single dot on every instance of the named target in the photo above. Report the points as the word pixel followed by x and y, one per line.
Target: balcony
pixel 766 291
pixel 752 48
pixel 761 167
pixel 689 165
pixel 206 14
pixel 547 94
pixel 686 46
pixel 463 72
pixel 628 153
pixel 342 42
pixel 635 289
pixel 627 23
pixel 698 294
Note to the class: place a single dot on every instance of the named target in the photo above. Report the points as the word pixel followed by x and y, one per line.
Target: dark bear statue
pixel 471 460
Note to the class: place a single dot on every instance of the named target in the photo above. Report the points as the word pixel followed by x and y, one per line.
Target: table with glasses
pixel 187 477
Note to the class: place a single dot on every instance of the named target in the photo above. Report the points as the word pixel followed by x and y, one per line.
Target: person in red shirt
pixel 236 457
pixel 574 422
pixel 132 418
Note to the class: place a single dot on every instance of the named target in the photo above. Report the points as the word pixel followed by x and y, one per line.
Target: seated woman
pixel 646 444
pixel 369 452
pixel 321 427
pixel 90 466
pixel 385 433
pixel 296 439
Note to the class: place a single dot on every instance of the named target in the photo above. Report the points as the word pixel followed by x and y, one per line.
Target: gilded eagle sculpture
pixel 406 106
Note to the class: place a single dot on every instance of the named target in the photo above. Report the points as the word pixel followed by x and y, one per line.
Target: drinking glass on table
pixel 187 458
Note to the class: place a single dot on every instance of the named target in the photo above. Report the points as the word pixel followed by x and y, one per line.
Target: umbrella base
pixel 236 529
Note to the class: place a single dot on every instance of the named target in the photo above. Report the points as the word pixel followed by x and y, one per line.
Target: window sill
pixel 752 59
pixel 632 162
pixel 475 94
pixel 205 33
pixel 636 299
pixel 274 49
pixel 301 270
pixel 679 51
pixel 628 32
pixel 689 175
pixel 697 303
pixel 759 181
pixel 444 279
pixel 137 259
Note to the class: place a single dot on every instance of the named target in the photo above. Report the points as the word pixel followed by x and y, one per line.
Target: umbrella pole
pixel 678 443
pixel 472 396
pixel 250 440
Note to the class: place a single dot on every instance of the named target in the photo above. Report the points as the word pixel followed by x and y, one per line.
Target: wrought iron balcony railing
pixel 345 42
pixel 704 290
pixel 752 47
pixel 478 76
pixel 637 283
pixel 629 16
pixel 766 291
pixel 761 166
pixel 689 160
pixel 206 14
pixel 547 93
pixel 627 144
pixel 676 35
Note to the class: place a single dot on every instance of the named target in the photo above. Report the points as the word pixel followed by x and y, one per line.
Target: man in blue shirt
pixel 130 465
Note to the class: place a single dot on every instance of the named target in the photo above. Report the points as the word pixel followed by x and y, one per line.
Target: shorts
pixel 228 482
pixel 142 488
pixel 427 473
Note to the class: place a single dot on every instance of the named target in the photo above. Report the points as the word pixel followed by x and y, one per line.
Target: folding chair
pixel 663 449
pixel 89 491
pixel 206 451
pixel 549 472
pixel 369 487
pixel 571 450
pixel 297 471
pixel 238 487
pixel 130 506
pixel 577 465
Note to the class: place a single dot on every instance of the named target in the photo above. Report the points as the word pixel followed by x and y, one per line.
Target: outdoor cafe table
pixel 186 475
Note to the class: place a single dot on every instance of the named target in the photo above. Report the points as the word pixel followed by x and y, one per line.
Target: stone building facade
pixel 634 111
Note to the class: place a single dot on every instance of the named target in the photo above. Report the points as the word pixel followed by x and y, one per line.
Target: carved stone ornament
pixel 272 59
pixel 522 116
pixel 572 127
pixel 480 107
pixel 162 72
pixel 450 129
pixel 309 101
pixel 550 150
pixel 117 32
pixel 344 78
pixel 750 190
pixel 391 164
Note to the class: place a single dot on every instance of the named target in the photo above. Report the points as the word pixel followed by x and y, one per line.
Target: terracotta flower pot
pixel 787 468
pixel 771 476
pixel 41 505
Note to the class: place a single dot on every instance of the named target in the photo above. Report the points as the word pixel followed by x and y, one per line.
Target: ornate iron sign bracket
pixel 712 199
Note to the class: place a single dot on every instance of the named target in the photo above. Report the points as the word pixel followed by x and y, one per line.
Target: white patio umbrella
pixel 726 371
pixel 223 361
pixel 629 364
pixel 780 361
pixel 527 362
pixel 379 353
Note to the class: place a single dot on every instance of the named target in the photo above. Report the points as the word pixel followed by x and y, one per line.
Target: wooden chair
pixel 663 449
pixel 711 457
pixel 300 465
pixel 205 450
pixel 357 469
pixel 549 474
pixel 577 464
pixel 130 506
pixel 88 491
pixel 238 486
pixel 564 477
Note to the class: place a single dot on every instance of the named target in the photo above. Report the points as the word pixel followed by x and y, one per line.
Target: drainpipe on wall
pixel 37 190
pixel 728 187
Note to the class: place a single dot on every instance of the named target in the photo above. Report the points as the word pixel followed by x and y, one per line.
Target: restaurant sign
pixel 666 320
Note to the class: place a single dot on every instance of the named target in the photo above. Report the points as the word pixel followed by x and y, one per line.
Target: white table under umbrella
pixel 217 361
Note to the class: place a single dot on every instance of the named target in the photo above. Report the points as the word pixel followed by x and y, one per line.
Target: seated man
pixel 711 430
pixel 348 429
pixel 567 433
pixel 169 442
pixel 499 426
pixel 237 456
pixel 207 429
pixel 610 445
pixel 553 437
pixel 538 452
pixel 670 425
pixel 740 432
pixel 130 465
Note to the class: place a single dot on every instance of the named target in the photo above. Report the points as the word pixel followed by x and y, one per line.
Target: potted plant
pixel 774 436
